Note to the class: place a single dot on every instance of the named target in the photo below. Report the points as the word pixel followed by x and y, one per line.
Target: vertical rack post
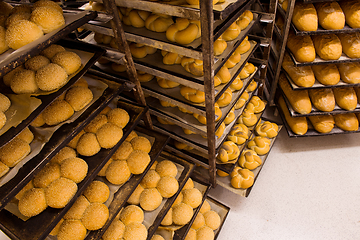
pixel 120 38
pixel 207 29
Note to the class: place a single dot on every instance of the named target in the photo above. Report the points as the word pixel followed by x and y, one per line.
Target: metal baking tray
pixel 124 192
pixel 47 99
pixel 18 57
pixel 30 229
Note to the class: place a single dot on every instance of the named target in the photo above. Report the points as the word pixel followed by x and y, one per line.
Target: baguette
pixel 301 76
pixel 298 125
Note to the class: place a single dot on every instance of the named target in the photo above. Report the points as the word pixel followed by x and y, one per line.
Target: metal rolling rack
pixel 278 50
pixel 213 24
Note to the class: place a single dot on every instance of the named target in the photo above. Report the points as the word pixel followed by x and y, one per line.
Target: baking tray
pixel 47 99
pixel 59 140
pixel 124 192
pixel 12 59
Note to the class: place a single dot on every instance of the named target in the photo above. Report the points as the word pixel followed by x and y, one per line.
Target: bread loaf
pixel 233 60
pixel 327 46
pixel 244 46
pixel 345 98
pixel 302 47
pixel 222 76
pixel 228 151
pixel 350 44
pixel 219 46
pixel 192 95
pixel 170 58
pixel 158 22
pixel 327 74
pixel 347 121
pixel 231 32
pixel 301 76
pixel 297 124
pixel 350 72
pixel 305 17
pixel 247 70
pixel 322 123
pixel 351 10
pixel 322 99
pixel 184 31
pixel 299 100
pixel 244 20
pixel 225 98
pixel 136 18
pixel 330 15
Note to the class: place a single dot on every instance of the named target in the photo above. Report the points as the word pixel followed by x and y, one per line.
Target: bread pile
pixel 24 23
pixel 5 104
pixel 132 157
pixel 158 183
pixel 104 131
pixel 127 225
pixel 182 210
pixel 15 151
pixel 205 223
pixel 55 185
pixel 88 213
pixel 46 72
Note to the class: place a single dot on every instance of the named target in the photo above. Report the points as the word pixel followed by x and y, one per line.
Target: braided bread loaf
pixel 244 46
pixel 248 118
pixel 158 22
pixel 220 131
pixel 233 60
pixel 135 18
pixel 222 76
pixel 237 84
pixel 249 160
pixel 231 32
pixel 202 119
pixel 228 151
pixel 144 77
pixel 192 95
pixel 139 50
pixel 267 129
pixel 252 86
pixel 239 134
pixel 170 58
pixel 259 144
pixel 230 116
pixel 256 104
pixel 225 98
pixel 247 70
pixel 242 178
pixel 164 83
pixel 219 46
pixel 193 66
pixel 242 100
pixel 184 31
pixel 244 20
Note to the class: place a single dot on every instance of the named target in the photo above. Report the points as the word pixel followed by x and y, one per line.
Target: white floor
pixel 308 189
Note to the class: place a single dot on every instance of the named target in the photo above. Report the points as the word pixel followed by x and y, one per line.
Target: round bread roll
pixel 228 151
pixel 96 123
pixel 239 134
pixel 123 152
pixel 131 136
pixel 38 121
pixel 52 50
pixel 322 123
pixel 118 172
pixel 95 216
pixel 35 63
pixel 167 186
pixel 10 75
pixel 21 193
pixel 242 178
pixel 5 103
pixel 24 81
pixel 349 72
pixel 3 45
pixel 231 32
pixel 33 202
pixel 249 159
pixel 191 235
pixel 330 15
pixel 69 61
pixel 205 207
pixel 48 3
pixel 115 231
pixel 184 31
pixel 135 196
pixel 150 199
pixel 212 219
pixel 72 230
pixel 57 112
pixel 60 192
pixel 345 98
pixel 167 220
pixel 198 222
pixel 63 154
pixel 166 168
pixel 327 46
pixel 14 151
pixel 141 143
pixel 131 214
pixel 97 191
pixel 74 169
pixel 150 179
pixel 182 214
pixel 77 209
pixel 51 77
pixel 118 116
pixel 192 197
pixel 88 145
pixel 109 135
pixel 135 231
pixel 47 18
pixel 347 121
pixel 205 233
pixel 14 18
pixel 267 129
pixel 178 199
pixel 138 161
pixel 21 33
pixel 189 184
pixel 79 97
pixel 47 175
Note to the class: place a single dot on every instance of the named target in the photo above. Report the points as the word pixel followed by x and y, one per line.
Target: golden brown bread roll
pixel 109 135
pixel 302 76
pixel 233 60
pixel 51 77
pixel 47 18
pixel 14 151
pixel 137 161
pixel 167 186
pixel 230 117
pixel 131 214
pixel 88 145
pixel 135 231
pixel 219 46
pixel 222 76
pixel 21 193
pixel 347 121
pixel 256 104
pixel 231 32
pixel 150 199
pixel 350 72
pixel 166 168
pixel 297 124
pixel 244 20
pixel 78 208
pixel 305 17
pixel 192 197
pixel 182 214
pixel 53 49
pixel 118 116
pixel 193 66
pixel 24 81
pixel 244 46
pixel 48 3
pixel 267 129
pixel 192 95
pixel 57 112
pixel 96 123
pixel 345 98
pixel 327 74
pixel 3 44
pixel 242 178
pixel 198 222
pixel 35 63
pixel 21 33
pixel 212 219
pixel 351 9
pixel 242 100
pixel 322 99
pixel 60 192
pixel 139 50
pixel 5 103
pixel 184 31
pixel 115 231
pixel 330 15
pixel 158 22
pixel 237 84
pixel 33 202
pixel 302 47
pixel 225 98
pixel 165 83
pixel 247 70
pixel 350 44
pixel 228 151
pixel 135 196
pixel 170 58
pixel 151 179
pixel 299 99
pixel 135 18
pixel 249 159
pixel 141 143
pixel 322 123
pixel 71 230
pixel 261 145
pixel 95 216
pixel 70 61
pixel 247 117
pixel 47 175
pixel 144 77
pixel 327 46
